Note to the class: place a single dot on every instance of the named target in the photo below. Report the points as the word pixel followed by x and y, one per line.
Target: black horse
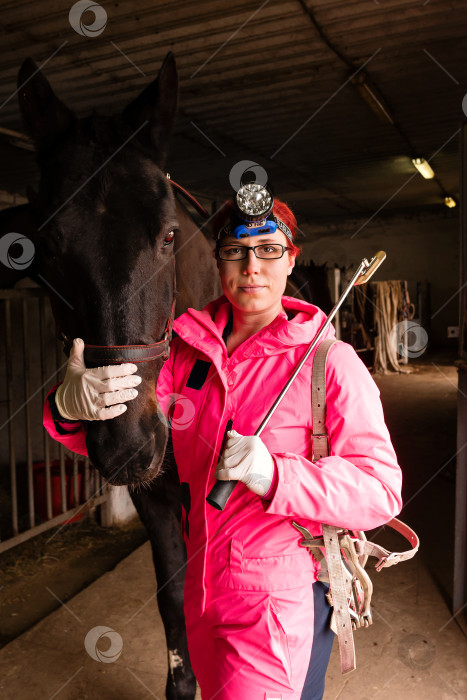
pixel 107 232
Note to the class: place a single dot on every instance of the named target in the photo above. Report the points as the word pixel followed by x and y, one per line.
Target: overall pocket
pixel 272 573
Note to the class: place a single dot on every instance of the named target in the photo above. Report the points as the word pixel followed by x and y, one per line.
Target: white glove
pixel 247 459
pixel 85 392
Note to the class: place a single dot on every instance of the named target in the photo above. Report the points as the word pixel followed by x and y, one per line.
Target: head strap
pixel 101 355
pixel 229 228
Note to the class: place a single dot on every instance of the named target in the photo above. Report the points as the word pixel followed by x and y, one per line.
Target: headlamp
pixel 252 215
pixel 253 202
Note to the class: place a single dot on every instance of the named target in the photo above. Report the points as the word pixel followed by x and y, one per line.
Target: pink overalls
pixel 248 590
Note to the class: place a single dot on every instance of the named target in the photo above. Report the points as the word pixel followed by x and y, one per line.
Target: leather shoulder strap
pixel 340 603
pixel 318 397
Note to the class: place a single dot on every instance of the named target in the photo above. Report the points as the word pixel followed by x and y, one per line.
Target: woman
pixel 257 619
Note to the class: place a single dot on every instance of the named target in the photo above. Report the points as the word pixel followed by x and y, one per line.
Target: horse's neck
pixel 197 277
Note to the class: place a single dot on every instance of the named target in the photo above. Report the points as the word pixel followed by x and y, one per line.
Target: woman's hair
pixel 280 209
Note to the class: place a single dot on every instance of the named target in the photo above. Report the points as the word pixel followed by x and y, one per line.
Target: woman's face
pixel 254 285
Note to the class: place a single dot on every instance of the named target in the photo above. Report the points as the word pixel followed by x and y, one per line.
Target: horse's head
pixel 106 218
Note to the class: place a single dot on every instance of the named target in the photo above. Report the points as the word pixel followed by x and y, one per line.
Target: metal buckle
pixel 359 587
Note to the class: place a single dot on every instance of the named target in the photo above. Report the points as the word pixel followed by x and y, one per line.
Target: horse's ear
pixel 45 116
pixel 156 108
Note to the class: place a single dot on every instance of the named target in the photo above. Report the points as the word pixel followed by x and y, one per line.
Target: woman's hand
pixel 85 393
pixel 247 459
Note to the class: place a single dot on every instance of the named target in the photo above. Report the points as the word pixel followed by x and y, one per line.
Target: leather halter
pixel 100 355
pixel 189 197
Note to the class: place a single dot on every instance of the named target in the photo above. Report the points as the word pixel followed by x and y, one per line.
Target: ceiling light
pixel 450 202
pixel 424 168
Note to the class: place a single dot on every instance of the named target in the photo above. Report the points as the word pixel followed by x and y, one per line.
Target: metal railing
pixel 42 484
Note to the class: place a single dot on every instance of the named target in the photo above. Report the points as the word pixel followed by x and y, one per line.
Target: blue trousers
pixel 323 638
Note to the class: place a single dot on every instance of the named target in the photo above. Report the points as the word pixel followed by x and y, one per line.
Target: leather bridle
pixel 116 354
pixel 189 197
pixel 99 355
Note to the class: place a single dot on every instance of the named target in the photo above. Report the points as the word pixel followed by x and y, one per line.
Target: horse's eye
pixel 168 238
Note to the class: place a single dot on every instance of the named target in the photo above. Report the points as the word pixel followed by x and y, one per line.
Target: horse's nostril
pixel 133 458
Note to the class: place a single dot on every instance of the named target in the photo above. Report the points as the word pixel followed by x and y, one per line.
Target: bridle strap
pixel 189 197
pixel 100 355
pixel 117 354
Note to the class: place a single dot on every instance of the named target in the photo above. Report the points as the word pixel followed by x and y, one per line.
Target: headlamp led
pixel 253 202
pixel 252 215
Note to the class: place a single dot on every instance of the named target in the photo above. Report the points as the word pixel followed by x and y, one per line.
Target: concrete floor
pixel 415 650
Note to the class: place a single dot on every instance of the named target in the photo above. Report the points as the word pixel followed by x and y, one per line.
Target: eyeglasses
pixel 266 251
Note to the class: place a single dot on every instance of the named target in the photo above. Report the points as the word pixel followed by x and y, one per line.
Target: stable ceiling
pixel 270 82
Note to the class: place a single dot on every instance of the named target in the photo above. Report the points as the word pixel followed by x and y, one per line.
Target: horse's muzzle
pixel 127 452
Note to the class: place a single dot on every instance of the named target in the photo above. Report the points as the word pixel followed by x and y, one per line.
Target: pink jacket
pixel 252 544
